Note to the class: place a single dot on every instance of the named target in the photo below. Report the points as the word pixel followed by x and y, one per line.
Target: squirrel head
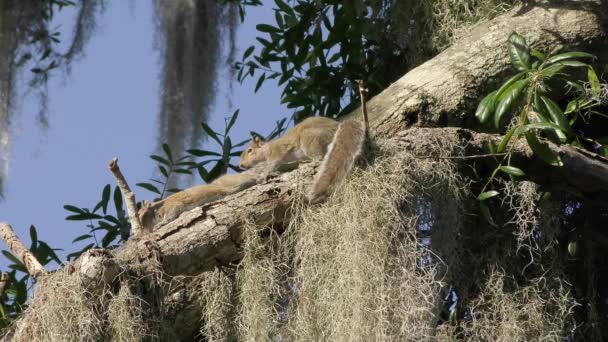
pixel 146 214
pixel 253 154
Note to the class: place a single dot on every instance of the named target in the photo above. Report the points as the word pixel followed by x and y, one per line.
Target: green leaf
pixel 211 133
pixel 487 195
pixel 12 258
pixel 148 187
pixel 505 140
pixel 259 82
pixel 267 28
pixel 519 52
pixel 160 160
pixel 34 236
pixel 509 82
pixel 73 209
pixel 594 81
pixel 167 150
pixel 557 117
pixel 552 70
pixel 105 197
pixel 542 150
pixel 572 247
pixel 537 125
pixel 485 212
pixel 233 118
pixel 117 199
pixel 510 96
pixel 577 104
pixel 248 52
pixel 284 7
pixel 575 64
pixel 539 55
pixel 203 153
pixel 512 170
pixel 82 237
pixel 163 170
pixel 486 107
pixel 568 55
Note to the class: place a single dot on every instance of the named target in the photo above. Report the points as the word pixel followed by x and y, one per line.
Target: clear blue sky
pixel 108 107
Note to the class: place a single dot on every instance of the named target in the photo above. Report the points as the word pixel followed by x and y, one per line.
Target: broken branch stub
pixel 129 196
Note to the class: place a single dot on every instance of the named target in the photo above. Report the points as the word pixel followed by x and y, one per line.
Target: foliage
pixel 529 101
pixel 14 298
pixel 115 229
pixel 317 50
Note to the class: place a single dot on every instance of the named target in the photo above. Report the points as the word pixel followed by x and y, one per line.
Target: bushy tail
pixel 339 159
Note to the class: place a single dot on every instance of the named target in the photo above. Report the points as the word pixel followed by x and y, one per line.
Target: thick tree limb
pixel 34 268
pixel 445 90
pixel 210 236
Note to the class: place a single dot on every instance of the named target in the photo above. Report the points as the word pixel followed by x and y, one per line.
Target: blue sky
pixel 108 107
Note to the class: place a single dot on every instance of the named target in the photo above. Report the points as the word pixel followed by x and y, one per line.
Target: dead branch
pixel 136 227
pixel 33 266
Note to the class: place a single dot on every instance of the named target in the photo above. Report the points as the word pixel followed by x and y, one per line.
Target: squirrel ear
pixel 257 140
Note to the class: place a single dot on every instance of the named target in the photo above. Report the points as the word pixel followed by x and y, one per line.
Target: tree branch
pixel 445 90
pixel 33 266
pixel 136 227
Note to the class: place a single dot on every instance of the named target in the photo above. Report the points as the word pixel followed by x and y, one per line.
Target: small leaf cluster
pixel 528 101
pixel 114 229
pixel 14 297
pixel 317 50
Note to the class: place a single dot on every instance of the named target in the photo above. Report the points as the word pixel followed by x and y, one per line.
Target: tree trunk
pixel 441 92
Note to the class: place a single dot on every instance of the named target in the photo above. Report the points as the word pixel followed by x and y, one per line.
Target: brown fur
pixel 171 207
pixel 311 139
pixel 346 146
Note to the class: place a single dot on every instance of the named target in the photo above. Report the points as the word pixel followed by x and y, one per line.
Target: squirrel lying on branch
pixel 338 143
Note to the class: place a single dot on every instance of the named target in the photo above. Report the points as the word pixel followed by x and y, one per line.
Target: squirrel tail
pixel 341 155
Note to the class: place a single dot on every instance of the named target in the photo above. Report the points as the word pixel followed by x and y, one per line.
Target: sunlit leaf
pixel 510 96
pixel 505 140
pixel 594 81
pixel 512 170
pixel 487 195
pixel 519 52
pixel 572 247
pixel 486 107
pixel 568 55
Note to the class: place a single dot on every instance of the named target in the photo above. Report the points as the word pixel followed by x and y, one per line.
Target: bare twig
pixel 363 95
pixel 33 266
pixel 136 227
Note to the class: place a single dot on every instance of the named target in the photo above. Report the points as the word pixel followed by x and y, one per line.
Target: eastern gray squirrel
pixel 338 143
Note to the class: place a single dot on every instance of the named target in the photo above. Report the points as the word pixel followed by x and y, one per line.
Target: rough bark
pixel 442 92
pixel 445 90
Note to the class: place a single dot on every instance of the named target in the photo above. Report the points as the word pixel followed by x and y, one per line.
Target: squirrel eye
pixel 249 150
